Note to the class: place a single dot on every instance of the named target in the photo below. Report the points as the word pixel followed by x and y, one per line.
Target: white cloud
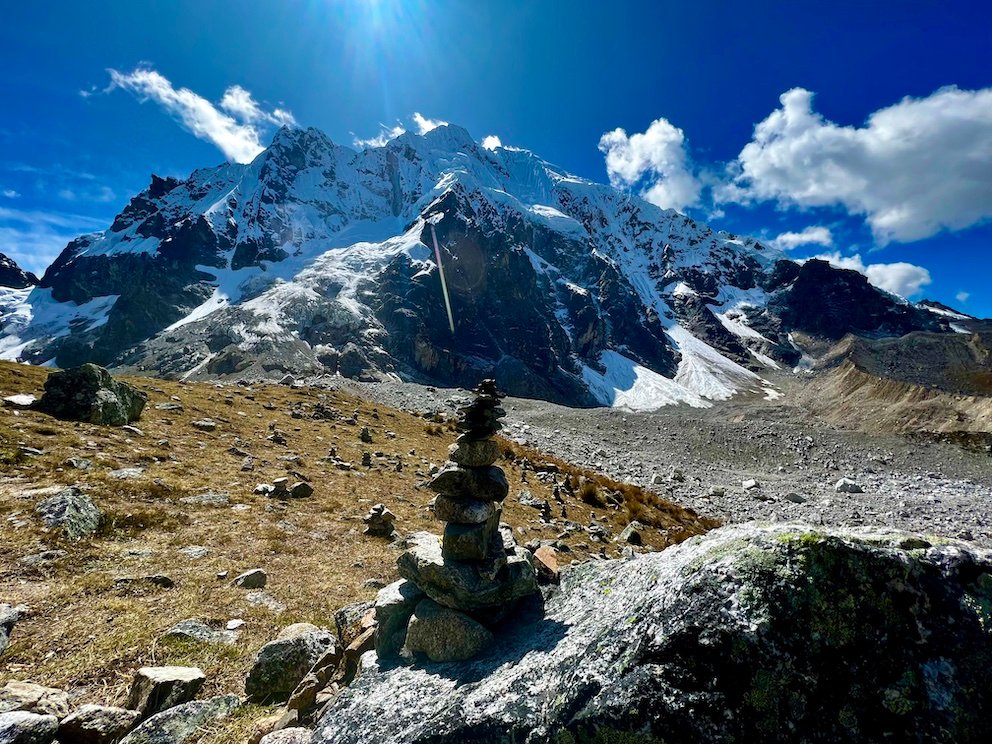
pixel 385 134
pixel 33 238
pixel 238 102
pixel 656 161
pixel 491 142
pixel 903 279
pixel 962 296
pixel 424 125
pixel 10 194
pixel 236 127
pixel 813 235
pixel 915 168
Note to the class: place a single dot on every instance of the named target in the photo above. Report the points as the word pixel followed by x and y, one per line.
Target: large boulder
pixel 21 727
pixel 184 723
pixel 88 393
pixel 71 511
pixel 32 698
pixel 750 633
pixel 96 724
pixel 281 665
pixel 155 689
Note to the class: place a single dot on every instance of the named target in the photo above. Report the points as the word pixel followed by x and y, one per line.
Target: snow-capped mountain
pixel 319 259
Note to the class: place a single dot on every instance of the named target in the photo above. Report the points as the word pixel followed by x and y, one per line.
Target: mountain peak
pixel 292 138
pixel 13 276
pixel 449 136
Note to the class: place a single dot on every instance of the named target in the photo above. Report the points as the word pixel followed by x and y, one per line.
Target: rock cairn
pixel 476 572
pixel 380 522
pixel 470 488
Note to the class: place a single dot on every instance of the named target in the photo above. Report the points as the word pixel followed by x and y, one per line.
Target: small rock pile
pixel 476 572
pixel 380 522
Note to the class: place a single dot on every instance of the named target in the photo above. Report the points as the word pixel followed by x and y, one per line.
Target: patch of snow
pixel 707 372
pixel 945 313
pixel 806 362
pixel 28 315
pixel 766 360
pixel 733 323
pixel 556 220
pixel 627 384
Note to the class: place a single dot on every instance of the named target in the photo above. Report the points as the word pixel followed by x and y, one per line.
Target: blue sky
pixel 859 130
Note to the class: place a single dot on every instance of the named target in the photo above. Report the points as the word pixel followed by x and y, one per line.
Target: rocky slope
pixel 747 634
pixel 316 259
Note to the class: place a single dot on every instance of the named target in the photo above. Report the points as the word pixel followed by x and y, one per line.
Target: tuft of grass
pixel 119 524
pixel 589 494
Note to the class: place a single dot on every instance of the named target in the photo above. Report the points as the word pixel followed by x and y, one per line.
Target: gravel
pixel 929 487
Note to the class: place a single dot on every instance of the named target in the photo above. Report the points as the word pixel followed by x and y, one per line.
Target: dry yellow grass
pixel 87 633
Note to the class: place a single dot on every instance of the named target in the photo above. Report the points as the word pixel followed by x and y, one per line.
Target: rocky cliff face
pixel 318 259
pixel 746 634
pixel 13 276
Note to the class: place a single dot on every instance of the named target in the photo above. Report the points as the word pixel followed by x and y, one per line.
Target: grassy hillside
pixel 87 631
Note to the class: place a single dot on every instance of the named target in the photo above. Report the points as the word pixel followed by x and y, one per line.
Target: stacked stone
pixel 476 571
pixel 470 489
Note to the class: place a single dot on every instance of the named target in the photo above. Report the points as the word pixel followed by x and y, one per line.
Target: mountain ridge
pixel 317 259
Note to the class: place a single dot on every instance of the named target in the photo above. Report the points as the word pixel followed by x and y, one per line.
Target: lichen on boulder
pixel 750 633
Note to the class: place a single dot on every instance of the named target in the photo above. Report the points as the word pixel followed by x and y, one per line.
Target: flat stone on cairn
pixel 471 572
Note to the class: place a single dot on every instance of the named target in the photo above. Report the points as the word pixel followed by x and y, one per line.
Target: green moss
pixel 769 698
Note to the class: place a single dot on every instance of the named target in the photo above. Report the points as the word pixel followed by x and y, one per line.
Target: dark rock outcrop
pixel 830 303
pixel 89 393
pixel 749 633
pixel 13 276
